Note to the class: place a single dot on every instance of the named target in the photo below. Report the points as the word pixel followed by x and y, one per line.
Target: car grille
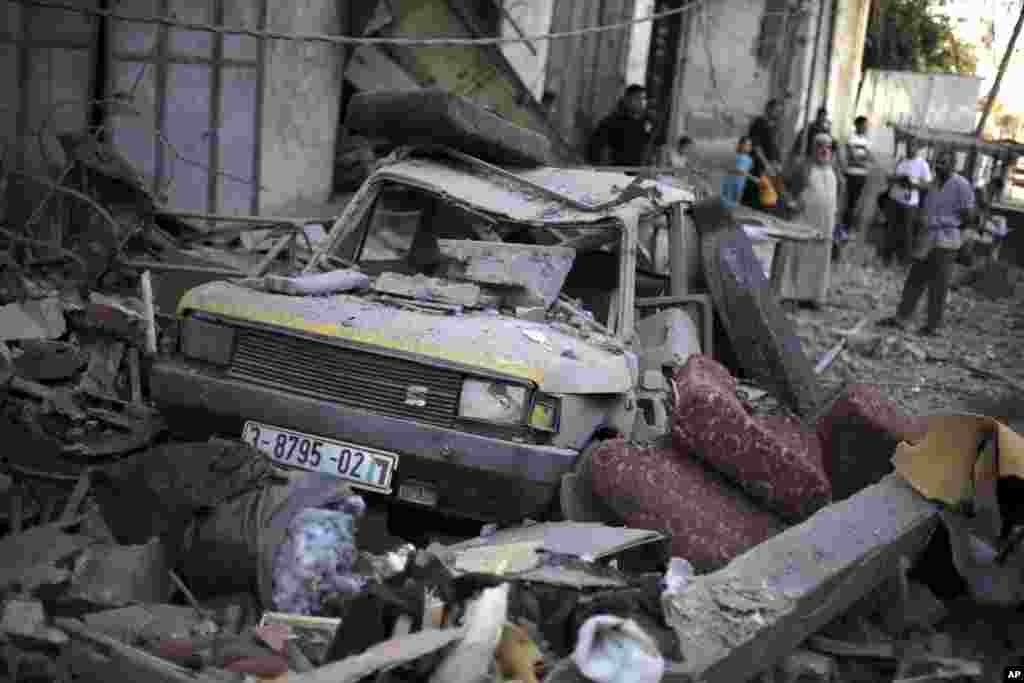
pixel 355 379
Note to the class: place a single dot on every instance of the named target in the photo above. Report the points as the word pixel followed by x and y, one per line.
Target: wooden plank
pixel 741 620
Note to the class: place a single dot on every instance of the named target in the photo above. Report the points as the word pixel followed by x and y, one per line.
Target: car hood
pixel 557 361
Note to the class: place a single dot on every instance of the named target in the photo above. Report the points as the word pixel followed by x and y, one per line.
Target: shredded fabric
pixel 315 565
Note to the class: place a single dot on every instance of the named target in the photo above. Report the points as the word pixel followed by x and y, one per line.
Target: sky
pixel 972 19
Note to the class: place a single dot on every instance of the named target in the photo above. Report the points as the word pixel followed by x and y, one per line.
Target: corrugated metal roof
pixel 495 194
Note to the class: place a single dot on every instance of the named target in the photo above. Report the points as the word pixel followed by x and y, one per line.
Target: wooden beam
pixel 742 620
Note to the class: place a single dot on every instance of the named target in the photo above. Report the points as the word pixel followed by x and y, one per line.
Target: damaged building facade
pixel 736 54
pixel 217 123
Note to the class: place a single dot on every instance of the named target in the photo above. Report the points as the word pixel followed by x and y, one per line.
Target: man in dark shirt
pixel 623 138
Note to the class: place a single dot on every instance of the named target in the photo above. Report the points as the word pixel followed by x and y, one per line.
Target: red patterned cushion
pixel 709 521
pixel 859 435
pixel 774 459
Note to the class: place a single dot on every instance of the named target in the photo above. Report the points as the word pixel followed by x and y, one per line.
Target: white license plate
pixel 415 492
pixel 366 468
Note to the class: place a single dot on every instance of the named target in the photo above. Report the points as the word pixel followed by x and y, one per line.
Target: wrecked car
pixel 463 335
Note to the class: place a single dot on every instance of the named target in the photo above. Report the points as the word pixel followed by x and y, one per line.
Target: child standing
pixel 735 181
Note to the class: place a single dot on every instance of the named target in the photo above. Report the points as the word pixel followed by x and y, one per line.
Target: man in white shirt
pixel 912 173
pixel 857 162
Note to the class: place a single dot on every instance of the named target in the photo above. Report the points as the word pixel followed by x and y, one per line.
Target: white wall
pixel 938 101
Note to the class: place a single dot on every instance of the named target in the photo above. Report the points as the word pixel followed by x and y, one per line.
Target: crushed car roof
pixel 496 194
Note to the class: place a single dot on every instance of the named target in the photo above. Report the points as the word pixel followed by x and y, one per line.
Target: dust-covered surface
pixel 923 374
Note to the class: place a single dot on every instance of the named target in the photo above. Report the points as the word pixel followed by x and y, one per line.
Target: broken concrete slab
pixel 538 271
pixel 741 620
pixel 423 288
pixel 114 576
pixel 33 319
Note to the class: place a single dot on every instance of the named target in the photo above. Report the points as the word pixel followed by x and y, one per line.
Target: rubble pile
pixel 130 556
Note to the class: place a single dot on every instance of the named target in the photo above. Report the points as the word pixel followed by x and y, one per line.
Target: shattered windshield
pixel 412 232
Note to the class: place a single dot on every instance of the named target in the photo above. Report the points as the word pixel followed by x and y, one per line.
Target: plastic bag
pixel 614 650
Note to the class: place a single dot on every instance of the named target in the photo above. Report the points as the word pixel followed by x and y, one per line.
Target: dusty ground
pixel 924 374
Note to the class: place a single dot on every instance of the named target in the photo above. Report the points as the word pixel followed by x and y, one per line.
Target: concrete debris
pixel 114 576
pixel 423 288
pixel 27 619
pixel 536 274
pixel 333 282
pixel 33 319
pixel 104 369
pixel 805 666
pixel 593 599
pixel 41 546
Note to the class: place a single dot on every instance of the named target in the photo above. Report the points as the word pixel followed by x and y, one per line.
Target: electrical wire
pixel 354 40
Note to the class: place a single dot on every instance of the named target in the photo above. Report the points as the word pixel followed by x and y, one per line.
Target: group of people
pixel 928 215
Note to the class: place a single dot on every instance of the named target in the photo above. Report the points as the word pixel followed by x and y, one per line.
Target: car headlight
pixel 544 416
pixel 497 402
pixel 207 341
